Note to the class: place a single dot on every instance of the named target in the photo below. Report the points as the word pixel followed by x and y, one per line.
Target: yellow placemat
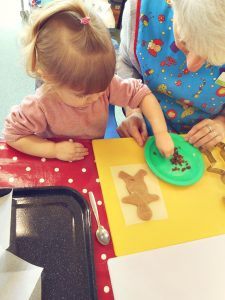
pixel 192 212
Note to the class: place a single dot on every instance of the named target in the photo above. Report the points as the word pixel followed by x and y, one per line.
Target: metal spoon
pixel 101 233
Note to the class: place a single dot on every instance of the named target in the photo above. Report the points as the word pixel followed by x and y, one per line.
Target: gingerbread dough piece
pixel 138 193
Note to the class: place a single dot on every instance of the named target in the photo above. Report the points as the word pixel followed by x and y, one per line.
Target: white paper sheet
pixel 190 271
pixel 19 280
pixel 5 219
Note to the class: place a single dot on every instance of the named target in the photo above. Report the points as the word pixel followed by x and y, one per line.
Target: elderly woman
pixel 178 49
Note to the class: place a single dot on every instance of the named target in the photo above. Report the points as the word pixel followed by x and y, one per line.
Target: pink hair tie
pixel 85 20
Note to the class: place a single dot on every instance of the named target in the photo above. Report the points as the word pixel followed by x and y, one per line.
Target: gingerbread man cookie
pixel 138 193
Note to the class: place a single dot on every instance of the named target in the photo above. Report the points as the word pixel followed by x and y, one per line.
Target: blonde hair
pixel 71 54
pixel 201 26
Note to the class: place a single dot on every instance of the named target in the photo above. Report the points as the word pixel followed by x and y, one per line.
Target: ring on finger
pixel 210 128
pixel 215 133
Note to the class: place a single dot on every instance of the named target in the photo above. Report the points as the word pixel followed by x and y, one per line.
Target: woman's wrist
pixel 220 119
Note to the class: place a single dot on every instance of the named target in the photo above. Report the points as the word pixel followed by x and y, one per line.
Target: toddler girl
pixel 70 49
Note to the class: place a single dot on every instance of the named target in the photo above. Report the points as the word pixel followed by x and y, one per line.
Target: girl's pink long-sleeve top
pixel 47 116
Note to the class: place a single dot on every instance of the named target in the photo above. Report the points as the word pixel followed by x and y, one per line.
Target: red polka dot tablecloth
pixel 21 170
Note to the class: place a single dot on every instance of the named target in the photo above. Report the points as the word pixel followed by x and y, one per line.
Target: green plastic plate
pixel 191 170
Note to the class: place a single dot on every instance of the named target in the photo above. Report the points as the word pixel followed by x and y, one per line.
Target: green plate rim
pixel 193 180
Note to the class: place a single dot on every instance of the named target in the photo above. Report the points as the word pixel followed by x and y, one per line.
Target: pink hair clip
pixel 85 20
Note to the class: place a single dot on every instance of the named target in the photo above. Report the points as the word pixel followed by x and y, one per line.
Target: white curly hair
pixel 201 26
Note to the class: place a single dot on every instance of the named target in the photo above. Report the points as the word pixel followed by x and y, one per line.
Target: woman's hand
pixel 134 126
pixel 164 143
pixel 70 151
pixel 207 133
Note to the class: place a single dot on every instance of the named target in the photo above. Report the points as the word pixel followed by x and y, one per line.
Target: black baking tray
pixel 51 228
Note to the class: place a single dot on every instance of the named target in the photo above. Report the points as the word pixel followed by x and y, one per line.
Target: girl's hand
pixel 164 143
pixel 70 151
pixel 206 134
pixel 134 126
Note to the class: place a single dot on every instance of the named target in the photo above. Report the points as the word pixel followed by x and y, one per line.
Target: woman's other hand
pixel 134 126
pixel 164 144
pixel 207 133
pixel 70 151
